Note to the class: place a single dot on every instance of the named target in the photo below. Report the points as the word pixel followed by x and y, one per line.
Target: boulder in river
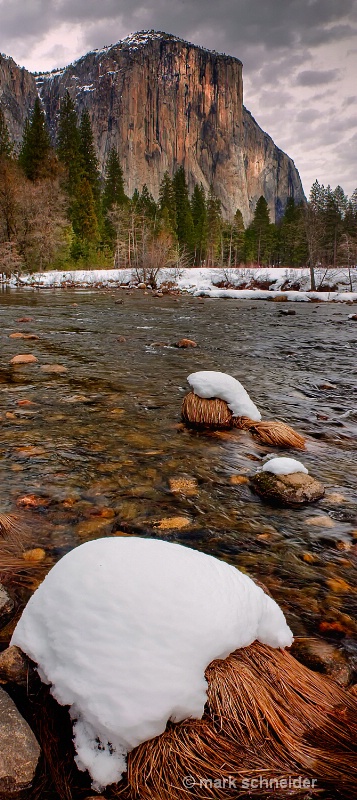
pixel 287 490
pixel 19 751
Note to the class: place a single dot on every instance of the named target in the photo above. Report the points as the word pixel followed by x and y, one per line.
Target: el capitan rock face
pixel 163 103
pixel 18 93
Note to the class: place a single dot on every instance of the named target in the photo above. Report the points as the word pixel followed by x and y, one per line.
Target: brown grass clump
pixel 272 432
pixel 206 413
pixel 17 567
pixel 266 715
pixel 214 413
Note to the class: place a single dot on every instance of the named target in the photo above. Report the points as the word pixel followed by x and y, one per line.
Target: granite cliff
pixel 163 102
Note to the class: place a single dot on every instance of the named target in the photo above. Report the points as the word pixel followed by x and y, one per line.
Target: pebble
pixel 236 480
pixel 35 555
pixel 320 522
pixel 93 527
pixel 186 343
pixel 170 523
pixel 33 501
pixel 53 368
pixel 14 667
pixel 24 358
pixel 187 486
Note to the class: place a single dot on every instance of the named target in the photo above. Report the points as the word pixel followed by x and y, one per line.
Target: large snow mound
pixel 124 628
pixel 284 466
pixel 218 384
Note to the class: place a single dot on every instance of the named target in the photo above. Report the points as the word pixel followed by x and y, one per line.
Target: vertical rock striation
pixel 17 95
pixel 163 103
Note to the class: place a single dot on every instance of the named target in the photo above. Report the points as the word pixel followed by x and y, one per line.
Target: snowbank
pixel 240 283
pixel 123 629
pixel 218 384
pixel 284 466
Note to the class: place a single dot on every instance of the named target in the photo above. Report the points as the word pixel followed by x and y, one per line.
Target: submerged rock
pixel 55 368
pixel 287 490
pixel 186 343
pixel 19 751
pixel 323 657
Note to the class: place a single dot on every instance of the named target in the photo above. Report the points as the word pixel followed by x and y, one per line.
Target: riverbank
pixel 333 285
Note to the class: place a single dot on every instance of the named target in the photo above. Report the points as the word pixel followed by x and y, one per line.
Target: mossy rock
pixel 287 490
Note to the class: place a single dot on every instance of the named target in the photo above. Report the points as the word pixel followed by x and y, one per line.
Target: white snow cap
pixel 124 628
pixel 218 384
pixel 284 466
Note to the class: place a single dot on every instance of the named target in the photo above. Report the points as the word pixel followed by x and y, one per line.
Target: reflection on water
pixel 102 442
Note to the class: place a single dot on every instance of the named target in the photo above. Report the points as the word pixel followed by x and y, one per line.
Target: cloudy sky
pixel 299 57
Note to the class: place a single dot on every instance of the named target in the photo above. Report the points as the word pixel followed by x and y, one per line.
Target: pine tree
pixel 69 143
pixel 184 221
pixel 146 204
pixel 88 154
pixel 84 220
pixel 317 197
pixel 36 151
pixel 199 217
pixel 233 240
pixel 260 233
pixel 113 193
pixel 167 203
pixel 214 229
pixel 6 147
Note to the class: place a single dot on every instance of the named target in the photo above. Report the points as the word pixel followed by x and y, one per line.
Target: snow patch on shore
pixel 238 284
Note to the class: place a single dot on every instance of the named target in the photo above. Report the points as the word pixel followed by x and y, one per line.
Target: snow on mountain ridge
pixel 134 41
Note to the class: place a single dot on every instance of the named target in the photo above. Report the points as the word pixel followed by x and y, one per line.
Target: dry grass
pixel 273 432
pixel 206 413
pixel 214 413
pixel 16 567
pixel 266 714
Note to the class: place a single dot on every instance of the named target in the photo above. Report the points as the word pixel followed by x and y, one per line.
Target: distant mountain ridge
pixel 163 103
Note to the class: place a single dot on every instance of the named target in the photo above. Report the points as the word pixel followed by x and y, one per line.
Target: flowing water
pixel 102 443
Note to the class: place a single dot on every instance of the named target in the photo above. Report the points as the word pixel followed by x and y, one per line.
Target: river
pixel 103 443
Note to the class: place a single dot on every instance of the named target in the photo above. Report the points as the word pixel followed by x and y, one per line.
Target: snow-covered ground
pixel 239 283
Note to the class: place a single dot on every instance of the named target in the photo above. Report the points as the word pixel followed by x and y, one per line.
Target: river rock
pixel 19 751
pixel 24 358
pixel 55 368
pixel 186 343
pixel 323 657
pixel 6 606
pixel 14 667
pixel 287 490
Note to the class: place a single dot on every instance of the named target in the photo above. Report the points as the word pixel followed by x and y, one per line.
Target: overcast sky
pixel 299 60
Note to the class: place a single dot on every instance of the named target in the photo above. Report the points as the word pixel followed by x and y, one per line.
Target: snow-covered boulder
pixel 209 384
pixel 284 466
pixel 124 628
pixel 286 481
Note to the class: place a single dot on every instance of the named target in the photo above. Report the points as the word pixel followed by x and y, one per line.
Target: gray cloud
pixel 317 77
pixel 289 49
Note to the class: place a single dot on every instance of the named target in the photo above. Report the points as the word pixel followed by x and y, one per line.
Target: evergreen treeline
pixel 55 211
